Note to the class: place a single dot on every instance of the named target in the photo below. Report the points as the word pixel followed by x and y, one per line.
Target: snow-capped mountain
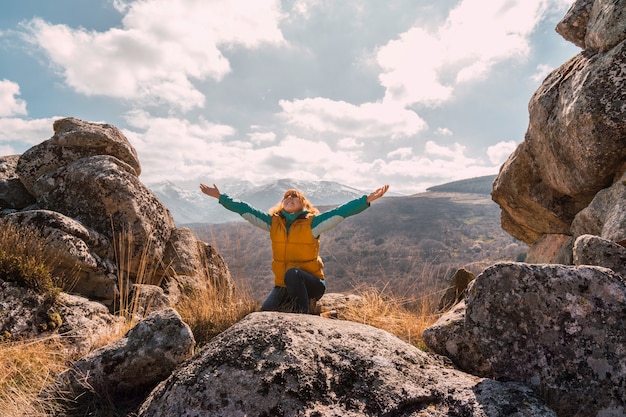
pixel 191 206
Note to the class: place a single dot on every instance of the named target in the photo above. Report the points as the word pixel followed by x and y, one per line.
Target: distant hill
pixel 477 185
pixel 404 245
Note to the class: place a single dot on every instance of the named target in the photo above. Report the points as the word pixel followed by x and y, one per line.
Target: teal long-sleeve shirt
pixel 320 223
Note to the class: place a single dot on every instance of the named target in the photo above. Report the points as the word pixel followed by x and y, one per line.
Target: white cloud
pixel 349 143
pixel 443 131
pixel 161 49
pixel 438 164
pixel 172 148
pixel 262 137
pixel 499 152
pixel 27 132
pixel 368 120
pixel 542 72
pixel 9 104
pixel 425 66
pixel 400 153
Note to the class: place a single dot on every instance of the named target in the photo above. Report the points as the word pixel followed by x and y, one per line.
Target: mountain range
pixel 191 206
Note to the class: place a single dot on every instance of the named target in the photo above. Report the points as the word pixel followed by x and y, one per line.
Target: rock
pixel 105 228
pixel 593 250
pixel 605 216
pixel 607 25
pixel 279 364
pixel 456 291
pixel 127 369
pixel 103 193
pixel 74 139
pixel 551 249
pixel 558 329
pixel 82 256
pixel 573 26
pixel 145 299
pixel 448 337
pixel 24 312
pixel 13 194
pixel 81 324
pixel 194 264
pixel 85 323
pixel 574 145
pixel 339 302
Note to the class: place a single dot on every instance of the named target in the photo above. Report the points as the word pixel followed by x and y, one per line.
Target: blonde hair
pixel 306 204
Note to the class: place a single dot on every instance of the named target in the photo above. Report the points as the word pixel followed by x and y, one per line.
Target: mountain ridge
pixel 193 207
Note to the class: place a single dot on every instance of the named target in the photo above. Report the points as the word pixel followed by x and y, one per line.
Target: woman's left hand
pixel 376 194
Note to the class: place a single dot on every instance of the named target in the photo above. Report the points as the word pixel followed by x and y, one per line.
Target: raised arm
pixel 329 219
pixel 252 215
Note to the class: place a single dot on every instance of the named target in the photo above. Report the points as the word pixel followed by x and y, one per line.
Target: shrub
pixel 25 260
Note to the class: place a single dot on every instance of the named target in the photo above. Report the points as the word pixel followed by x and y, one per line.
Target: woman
pixel 295 227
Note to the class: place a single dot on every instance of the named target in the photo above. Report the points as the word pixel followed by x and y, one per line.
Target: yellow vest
pixel 298 249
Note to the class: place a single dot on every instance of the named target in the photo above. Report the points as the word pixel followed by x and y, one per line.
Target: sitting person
pixel 295 227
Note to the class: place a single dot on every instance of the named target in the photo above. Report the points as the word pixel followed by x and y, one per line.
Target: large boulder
pixel 560 330
pixel 574 145
pixel 279 364
pixel 126 370
pixel 594 25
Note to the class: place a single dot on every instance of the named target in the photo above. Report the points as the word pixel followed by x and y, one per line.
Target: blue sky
pixel 407 92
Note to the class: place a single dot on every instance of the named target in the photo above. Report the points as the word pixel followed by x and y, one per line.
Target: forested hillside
pixel 406 245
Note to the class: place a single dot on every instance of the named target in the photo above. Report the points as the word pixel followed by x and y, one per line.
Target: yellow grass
pixel 214 309
pixel 404 318
pixel 25 369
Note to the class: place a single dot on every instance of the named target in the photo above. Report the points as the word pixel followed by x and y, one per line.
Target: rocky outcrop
pixel 575 143
pixel 558 329
pixel 102 224
pixel 126 370
pixel 276 364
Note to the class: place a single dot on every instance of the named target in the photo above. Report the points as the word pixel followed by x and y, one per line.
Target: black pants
pixel 300 287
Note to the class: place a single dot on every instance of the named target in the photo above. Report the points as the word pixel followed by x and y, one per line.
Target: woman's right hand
pixel 210 191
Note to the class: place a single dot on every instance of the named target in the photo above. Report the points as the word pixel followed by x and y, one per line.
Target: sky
pixel 411 93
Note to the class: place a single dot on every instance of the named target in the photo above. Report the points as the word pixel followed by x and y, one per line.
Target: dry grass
pixel 25 369
pixel 214 309
pixel 404 318
pixel 25 259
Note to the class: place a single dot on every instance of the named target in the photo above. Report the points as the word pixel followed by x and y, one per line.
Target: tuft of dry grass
pixel 215 308
pixel 25 259
pixel 25 369
pixel 404 318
